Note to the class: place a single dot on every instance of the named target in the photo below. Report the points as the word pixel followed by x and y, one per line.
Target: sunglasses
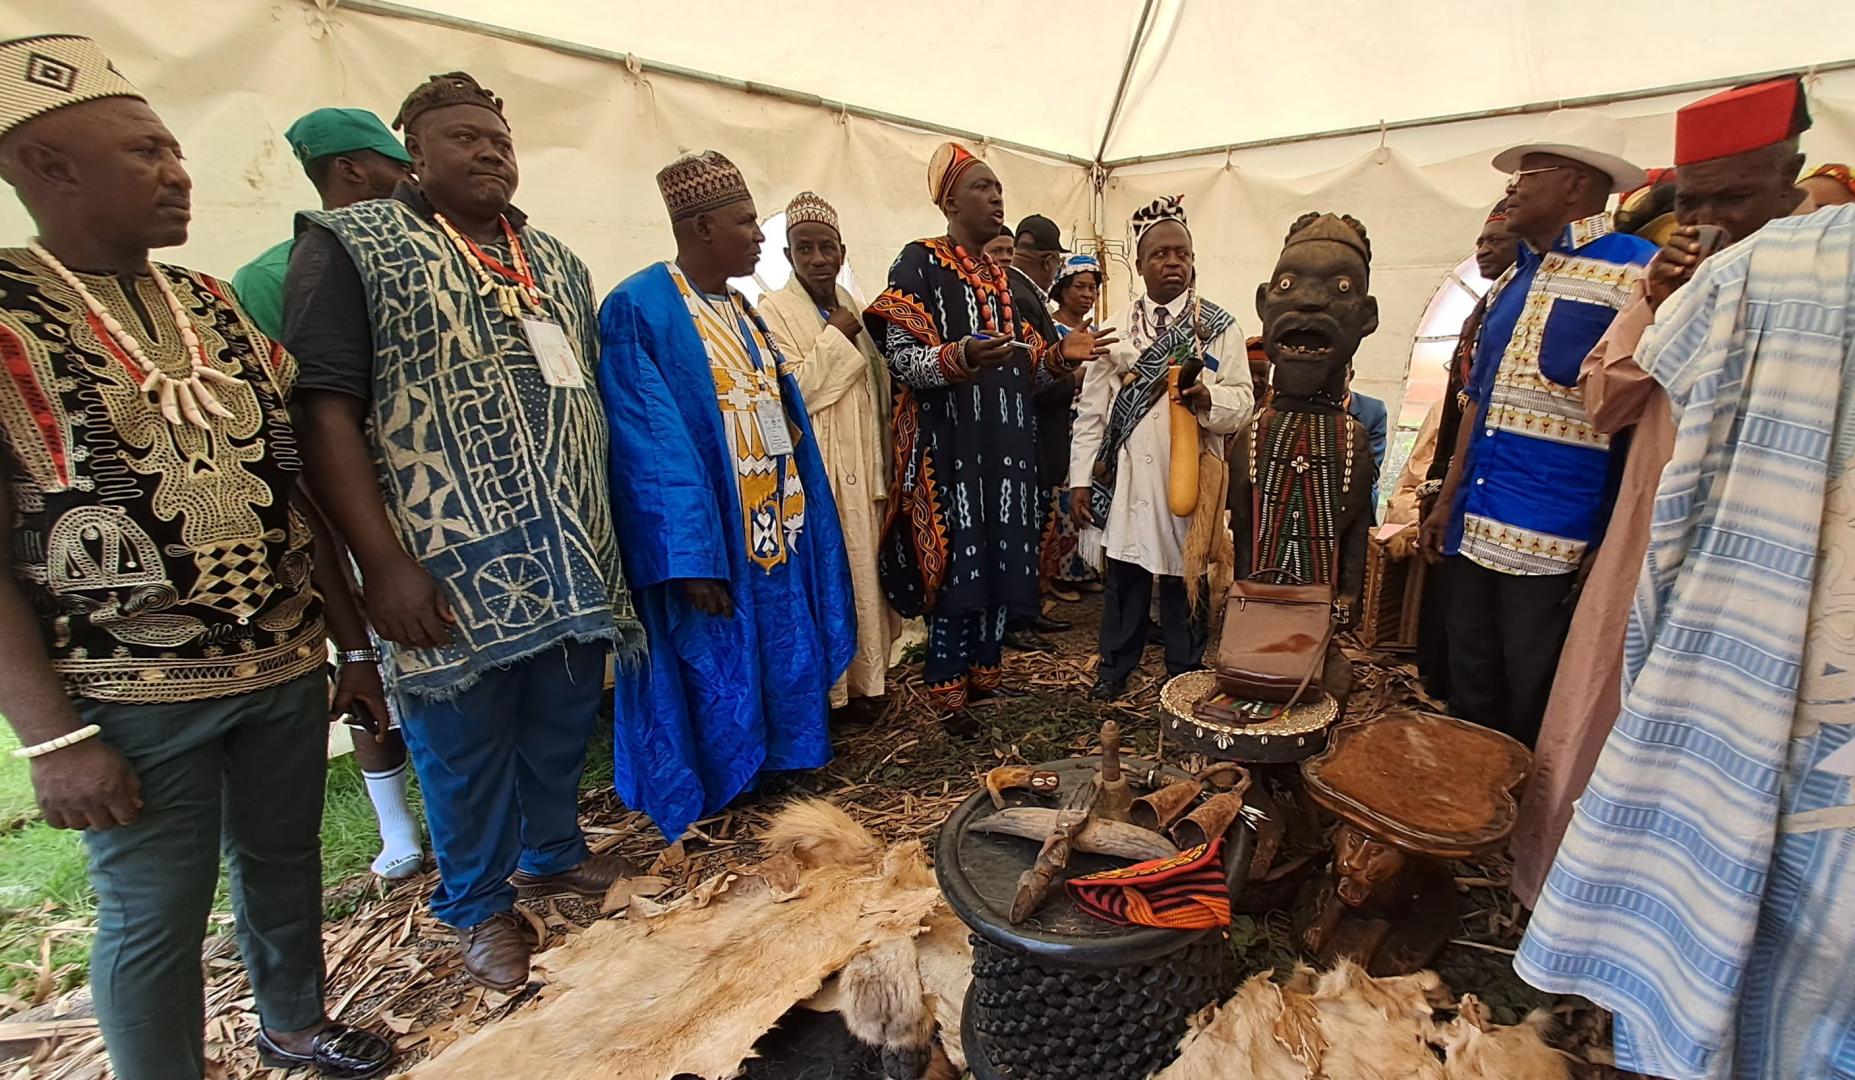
pixel 1514 178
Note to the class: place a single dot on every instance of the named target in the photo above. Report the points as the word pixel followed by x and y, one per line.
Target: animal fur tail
pixel 885 1005
pixel 1208 546
pixel 815 833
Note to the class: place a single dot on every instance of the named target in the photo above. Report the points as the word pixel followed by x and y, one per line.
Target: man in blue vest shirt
pixel 1530 486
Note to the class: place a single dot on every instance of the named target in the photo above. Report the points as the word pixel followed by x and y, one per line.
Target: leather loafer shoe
pixel 592 879
pixel 1026 641
pixel 338 1051
pixel 1107 691
pixel 496 951
pixel 1047 625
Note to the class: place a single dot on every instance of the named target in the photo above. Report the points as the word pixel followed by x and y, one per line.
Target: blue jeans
pixel 499 766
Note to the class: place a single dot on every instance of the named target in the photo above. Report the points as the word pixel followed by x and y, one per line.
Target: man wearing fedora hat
pixel 1529 487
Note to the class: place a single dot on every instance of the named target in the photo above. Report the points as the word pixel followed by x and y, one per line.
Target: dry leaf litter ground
pixel 392 967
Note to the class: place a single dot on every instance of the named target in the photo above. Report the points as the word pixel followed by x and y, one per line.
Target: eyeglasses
pixel 1513 180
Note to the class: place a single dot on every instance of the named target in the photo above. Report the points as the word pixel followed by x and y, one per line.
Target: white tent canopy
pixel 849 99
pixel 1045 73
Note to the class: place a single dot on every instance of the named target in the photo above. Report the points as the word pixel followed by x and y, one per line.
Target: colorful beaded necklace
pixel 511 285
pixel 989 280
pixel 1300 471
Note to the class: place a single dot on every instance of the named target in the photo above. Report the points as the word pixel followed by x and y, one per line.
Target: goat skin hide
pixel 690 989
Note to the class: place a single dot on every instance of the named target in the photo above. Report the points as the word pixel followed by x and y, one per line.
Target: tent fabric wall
pixel 1422 196
pixel 230 75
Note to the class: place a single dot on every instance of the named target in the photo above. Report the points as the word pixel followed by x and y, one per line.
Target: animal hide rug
pixel 690 988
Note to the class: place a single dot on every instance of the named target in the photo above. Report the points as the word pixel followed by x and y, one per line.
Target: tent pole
pixel 1482 114
pixel 640 65
pixel 1127 74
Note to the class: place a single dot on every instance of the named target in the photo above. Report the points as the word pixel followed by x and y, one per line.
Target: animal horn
pixel 1160 809
pixel 1209 821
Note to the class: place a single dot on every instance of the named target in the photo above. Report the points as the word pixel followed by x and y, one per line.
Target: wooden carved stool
pixel 1411 790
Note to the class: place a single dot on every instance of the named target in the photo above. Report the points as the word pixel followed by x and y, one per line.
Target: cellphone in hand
pixel 1710 238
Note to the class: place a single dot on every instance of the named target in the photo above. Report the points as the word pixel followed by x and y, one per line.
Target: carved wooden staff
pixel 1034 884
pixel 1117 795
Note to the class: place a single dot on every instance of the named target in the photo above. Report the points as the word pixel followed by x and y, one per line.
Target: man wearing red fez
pixel 1737 164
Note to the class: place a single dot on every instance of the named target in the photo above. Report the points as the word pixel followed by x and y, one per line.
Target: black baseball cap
pixel 1044 234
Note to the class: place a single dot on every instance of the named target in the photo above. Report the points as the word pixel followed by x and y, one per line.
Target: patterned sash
pixel 772 496
pixel 1185 337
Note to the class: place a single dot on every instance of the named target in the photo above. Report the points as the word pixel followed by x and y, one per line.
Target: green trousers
pixel 244 772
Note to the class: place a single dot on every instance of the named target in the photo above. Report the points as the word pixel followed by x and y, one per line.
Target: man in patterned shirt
pixel 1530 485
pixel 161 641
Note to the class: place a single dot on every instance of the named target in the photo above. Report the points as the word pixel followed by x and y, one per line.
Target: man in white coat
pixel 1121 455
pixel 818 326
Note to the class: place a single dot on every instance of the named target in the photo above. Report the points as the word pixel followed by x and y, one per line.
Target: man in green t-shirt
pixel 350 157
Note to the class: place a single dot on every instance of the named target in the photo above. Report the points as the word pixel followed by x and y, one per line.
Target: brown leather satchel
pixel 1274 643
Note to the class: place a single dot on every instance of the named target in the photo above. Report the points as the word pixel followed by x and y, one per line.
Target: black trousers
pixel 1433 630
pixel 1505 633
pixel 1127 596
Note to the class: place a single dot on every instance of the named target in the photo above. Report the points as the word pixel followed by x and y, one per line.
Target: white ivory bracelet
pixel 62 741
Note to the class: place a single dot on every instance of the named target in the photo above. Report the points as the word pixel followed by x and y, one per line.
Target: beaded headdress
pixel 51 71
pixel 1340 230
pixel 949 163
pixel 808 206
pixel 439 91
pixel 697 183
pixel 1164 208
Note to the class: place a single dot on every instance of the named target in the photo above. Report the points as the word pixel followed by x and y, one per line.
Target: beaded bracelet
pixel 360 656
pixel 62 741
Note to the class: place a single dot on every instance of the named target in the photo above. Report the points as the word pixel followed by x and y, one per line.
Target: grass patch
pixel 44 888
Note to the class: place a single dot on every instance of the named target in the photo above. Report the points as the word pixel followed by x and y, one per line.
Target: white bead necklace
pixel 186 400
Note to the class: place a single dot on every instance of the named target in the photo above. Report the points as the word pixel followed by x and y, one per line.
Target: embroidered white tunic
pixel 1141 527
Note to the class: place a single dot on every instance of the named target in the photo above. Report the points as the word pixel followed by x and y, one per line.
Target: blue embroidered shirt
pixel 1536 479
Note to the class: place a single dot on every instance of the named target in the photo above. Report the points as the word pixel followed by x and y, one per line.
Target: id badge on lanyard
pixel 560 365
pixel 775 434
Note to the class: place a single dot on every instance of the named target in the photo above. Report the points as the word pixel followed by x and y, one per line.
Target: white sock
pixel 399 832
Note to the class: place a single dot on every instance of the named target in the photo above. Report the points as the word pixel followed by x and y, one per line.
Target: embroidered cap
pixel 48 72
pixel 949 163
pixel 1497 213
pixel 1164 208
pixel 697 183
pixel 1740 120
pixel 809 206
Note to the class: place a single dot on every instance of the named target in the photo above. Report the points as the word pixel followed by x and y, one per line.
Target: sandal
pixel 338 1051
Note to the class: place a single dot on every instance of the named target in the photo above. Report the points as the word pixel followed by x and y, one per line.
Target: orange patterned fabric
pixel 1187 891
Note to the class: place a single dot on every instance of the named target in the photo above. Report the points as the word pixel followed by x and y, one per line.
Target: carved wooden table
pixel 1411 790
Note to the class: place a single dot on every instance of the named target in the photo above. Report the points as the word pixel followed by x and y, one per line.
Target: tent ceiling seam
pixel 1127 75
pixel 638 65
